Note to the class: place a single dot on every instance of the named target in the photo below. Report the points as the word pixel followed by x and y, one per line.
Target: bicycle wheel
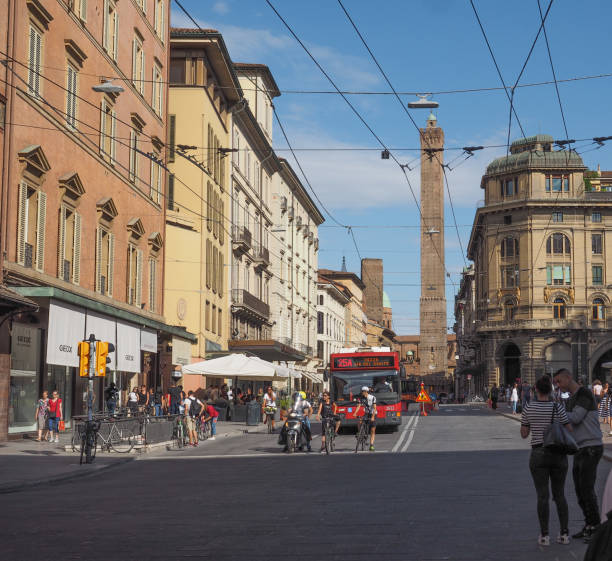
pixel 122 439
pixel 327 442
pixel 269 421
pixel 332 442
pixel 360 437
pixel 180 436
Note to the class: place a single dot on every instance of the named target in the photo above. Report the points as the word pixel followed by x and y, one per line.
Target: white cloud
pixel 221 8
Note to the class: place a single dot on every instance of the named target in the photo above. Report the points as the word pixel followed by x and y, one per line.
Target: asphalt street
pixel 451 486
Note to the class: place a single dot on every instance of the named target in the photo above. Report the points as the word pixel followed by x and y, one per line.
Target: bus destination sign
pixel 356 362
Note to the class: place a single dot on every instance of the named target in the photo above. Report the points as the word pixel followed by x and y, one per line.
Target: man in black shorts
pixel 368 402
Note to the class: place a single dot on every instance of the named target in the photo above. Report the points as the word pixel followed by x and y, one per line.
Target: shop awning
pixel 267 350
pixel 111 309
pixel 12 301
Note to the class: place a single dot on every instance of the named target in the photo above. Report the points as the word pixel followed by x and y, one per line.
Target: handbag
pixel 557 439
pixel 61 426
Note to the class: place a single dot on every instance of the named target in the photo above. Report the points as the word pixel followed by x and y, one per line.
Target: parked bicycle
pixel 203 429
pixel 120 438
pixel 179 434
pixel 88 441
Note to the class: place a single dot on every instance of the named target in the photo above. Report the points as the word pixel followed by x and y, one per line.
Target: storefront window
pixel 25 377
pixel 59 378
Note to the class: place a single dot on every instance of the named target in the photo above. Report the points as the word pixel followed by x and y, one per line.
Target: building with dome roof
pixel 539 293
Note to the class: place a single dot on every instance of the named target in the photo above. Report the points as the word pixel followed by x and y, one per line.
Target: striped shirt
pixel 537 416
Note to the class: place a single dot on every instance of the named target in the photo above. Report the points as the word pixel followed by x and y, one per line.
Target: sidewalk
pixel 26 463
pixel 505 411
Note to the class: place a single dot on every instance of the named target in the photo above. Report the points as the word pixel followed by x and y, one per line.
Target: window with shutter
pixel 61 242
pixel 152 284
pixel 133 155
pixel 99 260
pixel 215 269
pixel 76 255
pixel 171 137
pixel 71 96
pixel 209 204
pixel 83 10
pixel 221 222
pixel 138 277
pixel 22 223
pixel 171 191
pixel 208 262
pixel 35 54
pixel 111 263
pixel 221 275
pixel 40 230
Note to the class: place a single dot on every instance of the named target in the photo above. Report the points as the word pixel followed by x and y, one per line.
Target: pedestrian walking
pixel 597 391
pixel 525 394
pixel 605 409
pixel 494 396
pixel 143 398
pixel 584 416
pixel 54 414
pixel 42 407
pixel 546 465
pixel 514 398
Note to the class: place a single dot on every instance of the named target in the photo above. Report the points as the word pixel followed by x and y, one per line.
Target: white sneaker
pixel 544 540
pixel 212 438
pixel 563 539
pixel 57 439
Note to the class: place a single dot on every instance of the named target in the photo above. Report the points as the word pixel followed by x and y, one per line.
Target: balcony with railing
pixel 261 256
pixel 247 304
pixel 530 324
pixel 242 240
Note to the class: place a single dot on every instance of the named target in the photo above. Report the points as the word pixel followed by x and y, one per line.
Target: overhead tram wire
pixel 422 136
pixel 294 155
pixel 501 77
pixel 355 111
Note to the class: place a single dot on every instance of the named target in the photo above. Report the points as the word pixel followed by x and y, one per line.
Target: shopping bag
pixel 62 426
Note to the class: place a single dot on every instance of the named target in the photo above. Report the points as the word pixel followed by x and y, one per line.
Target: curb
pixel 607 453
pixel 7 489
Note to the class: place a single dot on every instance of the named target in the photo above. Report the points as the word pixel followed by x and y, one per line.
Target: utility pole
pixel 91 373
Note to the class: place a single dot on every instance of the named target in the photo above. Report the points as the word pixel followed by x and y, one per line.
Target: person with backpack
pixel 193 409
pixel 110 395
pixel 211 414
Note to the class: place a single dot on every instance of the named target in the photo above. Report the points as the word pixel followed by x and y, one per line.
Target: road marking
pixel 405 430
pixel 411 436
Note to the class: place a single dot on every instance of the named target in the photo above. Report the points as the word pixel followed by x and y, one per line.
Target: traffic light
pixel 83 359
pixel 102 358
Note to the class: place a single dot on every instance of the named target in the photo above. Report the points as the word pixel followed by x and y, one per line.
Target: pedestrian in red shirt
pixel 211 414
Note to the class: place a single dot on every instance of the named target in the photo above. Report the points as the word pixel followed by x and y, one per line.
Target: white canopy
pixel 238 365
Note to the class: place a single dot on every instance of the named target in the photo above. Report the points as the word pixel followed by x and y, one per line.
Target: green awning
pixel 94 305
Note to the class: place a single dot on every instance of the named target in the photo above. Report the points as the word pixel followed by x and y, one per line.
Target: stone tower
pixel 433 343
pixel 372 277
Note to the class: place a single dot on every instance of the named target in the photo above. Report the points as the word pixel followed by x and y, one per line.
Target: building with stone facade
pixel 253 166
pixel 83 213
pixel 411 349
pixel 332 300
pixel 295 246
pixel 355 318
pixel 372 275
pixel 538 296
pixel 204 88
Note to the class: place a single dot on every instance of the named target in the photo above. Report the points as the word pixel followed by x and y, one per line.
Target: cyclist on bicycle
pixel 368 402
pixel 269 406
pixel 327 414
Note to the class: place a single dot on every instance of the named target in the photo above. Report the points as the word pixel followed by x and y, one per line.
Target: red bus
pixel 379 370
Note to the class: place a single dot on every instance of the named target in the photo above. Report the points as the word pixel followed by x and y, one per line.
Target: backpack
pixel 195 409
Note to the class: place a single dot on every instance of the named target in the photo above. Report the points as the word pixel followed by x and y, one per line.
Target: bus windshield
pixel 383 383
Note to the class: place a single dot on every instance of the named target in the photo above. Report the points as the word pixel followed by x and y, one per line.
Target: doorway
pixel 601 373
pixel 511 363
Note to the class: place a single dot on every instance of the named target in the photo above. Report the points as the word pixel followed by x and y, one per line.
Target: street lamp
pixel 108 87
pixel 423 102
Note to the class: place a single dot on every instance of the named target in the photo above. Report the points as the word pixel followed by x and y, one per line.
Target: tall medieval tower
pixel 433 340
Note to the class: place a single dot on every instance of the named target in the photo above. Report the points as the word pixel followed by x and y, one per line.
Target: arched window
pixel 558 244
pixel 599 309
pixel 509 247
pixel 559 308
pixel 509 309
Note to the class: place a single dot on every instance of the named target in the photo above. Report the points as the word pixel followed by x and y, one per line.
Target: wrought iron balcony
pixel 242 240
pixel 243 302
pixel 530 324
pixel 261 255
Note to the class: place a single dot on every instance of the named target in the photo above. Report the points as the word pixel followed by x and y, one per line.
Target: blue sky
pixel 423 45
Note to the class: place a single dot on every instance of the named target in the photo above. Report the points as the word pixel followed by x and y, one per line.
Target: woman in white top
pixel 514 397
pixel 133 401
pixel 269 405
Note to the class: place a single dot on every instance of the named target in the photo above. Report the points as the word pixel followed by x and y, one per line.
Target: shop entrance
pixel 511 363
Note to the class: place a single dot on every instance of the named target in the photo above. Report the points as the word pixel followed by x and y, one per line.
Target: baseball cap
pixel 365 389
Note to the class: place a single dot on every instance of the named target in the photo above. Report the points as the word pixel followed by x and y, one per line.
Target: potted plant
pixel 284 404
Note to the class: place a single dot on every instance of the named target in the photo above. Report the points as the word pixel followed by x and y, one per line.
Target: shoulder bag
pixel 557 439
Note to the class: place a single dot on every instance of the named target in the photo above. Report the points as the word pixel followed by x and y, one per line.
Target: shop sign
pixel 66 329
pixel 181 351
pixel 128 348
pixel 148 340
